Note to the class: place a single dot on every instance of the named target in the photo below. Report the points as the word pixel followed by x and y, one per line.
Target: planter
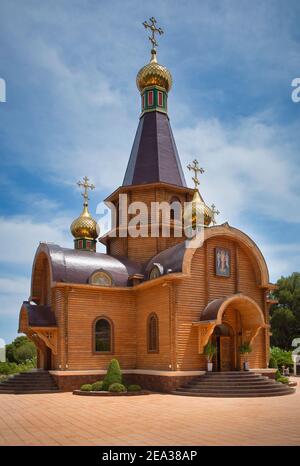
pixel 245 366
pixel 209 367
pixel 84 393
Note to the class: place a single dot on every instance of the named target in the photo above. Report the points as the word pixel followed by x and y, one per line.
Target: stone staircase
pixel 233 384
pixel 29 382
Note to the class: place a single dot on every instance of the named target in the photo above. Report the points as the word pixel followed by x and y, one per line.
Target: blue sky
pixel 72 110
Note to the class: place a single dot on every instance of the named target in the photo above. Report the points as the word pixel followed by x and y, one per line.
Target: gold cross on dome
pixel 154 30
pixel 214 212
pixel 85 184
pixel 196 169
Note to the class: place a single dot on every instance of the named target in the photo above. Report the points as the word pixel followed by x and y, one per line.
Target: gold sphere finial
pixel 85 227
pixel 153 74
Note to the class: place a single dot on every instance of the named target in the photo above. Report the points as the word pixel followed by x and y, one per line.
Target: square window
pixel 80 244
pixel 88 244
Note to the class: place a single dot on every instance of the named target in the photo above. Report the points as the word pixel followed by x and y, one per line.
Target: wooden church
pixel 151 302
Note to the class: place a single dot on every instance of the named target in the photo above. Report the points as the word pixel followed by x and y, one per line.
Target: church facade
pixel 151 301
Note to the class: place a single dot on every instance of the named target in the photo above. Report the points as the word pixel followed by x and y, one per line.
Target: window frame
pixel 103 317
pixel 149 319
pixel 104 272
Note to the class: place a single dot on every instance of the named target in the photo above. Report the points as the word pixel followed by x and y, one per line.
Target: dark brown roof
pixel 211 310
pixel 154 157
pixel 39 316
pixel 169 261
pixel 75 266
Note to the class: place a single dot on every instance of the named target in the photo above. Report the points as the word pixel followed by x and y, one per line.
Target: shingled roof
pixel 154 157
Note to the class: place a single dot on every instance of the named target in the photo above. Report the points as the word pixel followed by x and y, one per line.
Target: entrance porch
pixel 229 322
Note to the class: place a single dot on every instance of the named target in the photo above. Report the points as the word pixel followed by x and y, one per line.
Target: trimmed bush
pixel 117 388
pixel 283 380
pixel 87 387
pixel 97 386
pixel 113 374
pixel 134 388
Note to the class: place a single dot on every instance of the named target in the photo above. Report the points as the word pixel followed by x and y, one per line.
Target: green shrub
pixel 273 363
pixel 117 388
pixel 9 368
pixel 282 357
pixel 97 386
pixel 278 374
pixel 87 387
pixel 134 388
pixel 283 380
pixel 113 374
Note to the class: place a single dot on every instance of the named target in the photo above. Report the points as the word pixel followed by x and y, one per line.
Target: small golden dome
pixel 197 210
pixel 85 226
pixel 154 74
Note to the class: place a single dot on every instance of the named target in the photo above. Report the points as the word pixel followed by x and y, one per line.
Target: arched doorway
pixel 228 322
pixel 224 339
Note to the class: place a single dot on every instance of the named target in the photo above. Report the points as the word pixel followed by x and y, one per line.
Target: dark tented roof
pixel 154 157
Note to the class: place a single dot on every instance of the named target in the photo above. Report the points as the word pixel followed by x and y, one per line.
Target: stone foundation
pixel 157 381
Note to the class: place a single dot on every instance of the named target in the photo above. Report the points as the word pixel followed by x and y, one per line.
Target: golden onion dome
pixel 197 212
pixel 85 226
pixel 154 74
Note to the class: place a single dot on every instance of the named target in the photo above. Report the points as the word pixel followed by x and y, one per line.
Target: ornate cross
pixel 154 30
pixel 214 212
pixel 196 169
pixel 85 184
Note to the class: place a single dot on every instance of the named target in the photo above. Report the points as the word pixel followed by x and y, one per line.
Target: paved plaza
pixel 155 419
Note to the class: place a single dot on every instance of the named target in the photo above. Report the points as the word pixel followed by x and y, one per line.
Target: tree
pixel 283 324
pixel 20 350
pixel 285 316
pixel 24 352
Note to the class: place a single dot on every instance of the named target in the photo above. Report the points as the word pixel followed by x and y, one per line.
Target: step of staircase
pixel 29 382
pixel 233 384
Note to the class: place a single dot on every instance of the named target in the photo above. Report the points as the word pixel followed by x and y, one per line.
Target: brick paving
pixel 156 419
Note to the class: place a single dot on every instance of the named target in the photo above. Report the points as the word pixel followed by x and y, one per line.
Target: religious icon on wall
pixel 222 257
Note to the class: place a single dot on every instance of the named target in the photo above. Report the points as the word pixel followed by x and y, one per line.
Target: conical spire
pixel 154 157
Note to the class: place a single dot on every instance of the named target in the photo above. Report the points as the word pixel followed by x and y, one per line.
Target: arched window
pixel 101 278
pixel 103 336
pixel 153 337
pixel 155 272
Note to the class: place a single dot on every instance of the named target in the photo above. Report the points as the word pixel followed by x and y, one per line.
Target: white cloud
pixel 13 291
pixel 12 285
pixel 249 168
pixel 25 234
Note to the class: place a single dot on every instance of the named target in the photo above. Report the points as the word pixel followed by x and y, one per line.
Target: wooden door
pixel 225 353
